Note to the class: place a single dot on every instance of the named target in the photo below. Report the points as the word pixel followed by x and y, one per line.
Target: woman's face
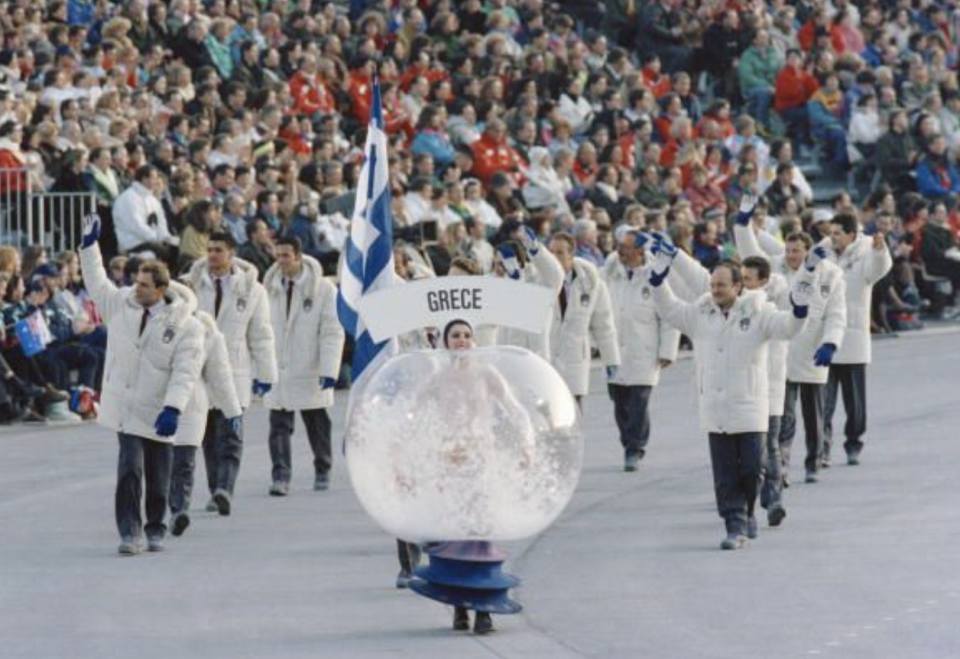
pixel 460 337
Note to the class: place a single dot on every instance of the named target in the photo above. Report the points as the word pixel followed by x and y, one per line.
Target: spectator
pixel 586 237
pixel 139 219
pixel 758 71
pixel 939 248
pixel 492 154
pixel 824 110
pixel 257 249
pixel 937 177
pixel 897 154
pixel 794 88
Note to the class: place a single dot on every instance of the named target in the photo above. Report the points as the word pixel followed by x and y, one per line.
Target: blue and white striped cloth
pixel 368 266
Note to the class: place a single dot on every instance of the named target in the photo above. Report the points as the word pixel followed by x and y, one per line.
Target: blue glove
pixel 664 252
pixel 91 231
pixel 236 425
pixel 641 239
pixel 511 264
pixel 814 256
pixel 799 310
pixel 261 388
pixel 612 371
pixel 748 204
pixel 824 354
pixel 529 240
pixel 167 422
pixel 327 383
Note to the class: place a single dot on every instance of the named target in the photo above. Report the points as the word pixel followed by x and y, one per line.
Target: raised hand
pixel 814 257
pixel 529 240
pixel 91 230
pixel 511 264
pixel 800 298
pixel 748 204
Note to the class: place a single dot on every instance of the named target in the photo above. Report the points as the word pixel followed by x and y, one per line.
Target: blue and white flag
pixel 33 333
pixel 368 266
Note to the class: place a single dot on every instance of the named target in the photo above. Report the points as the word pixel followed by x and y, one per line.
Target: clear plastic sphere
pixel 481 444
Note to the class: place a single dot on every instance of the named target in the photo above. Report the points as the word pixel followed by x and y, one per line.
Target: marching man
pixel 153 363
pixel 812 350
pixel 215 390
pixel 647 344
pixel 864 261
pixel 309 345
pixel 731 330
pixel 227 289
pixel 582 309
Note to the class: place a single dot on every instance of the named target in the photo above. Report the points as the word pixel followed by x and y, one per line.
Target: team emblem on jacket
pixel 645 293
pixel 585 300
pixel 744 324
pixel 308 304
pixel 241 304
pixel 168 334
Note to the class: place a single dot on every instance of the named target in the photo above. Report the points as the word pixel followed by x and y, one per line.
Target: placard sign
pixel 435 302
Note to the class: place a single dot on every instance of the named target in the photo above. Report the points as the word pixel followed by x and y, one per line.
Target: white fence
pixel 38 217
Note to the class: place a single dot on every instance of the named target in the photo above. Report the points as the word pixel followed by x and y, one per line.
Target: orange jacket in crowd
pixel 491 156
pixel 310 95
pixel 793 88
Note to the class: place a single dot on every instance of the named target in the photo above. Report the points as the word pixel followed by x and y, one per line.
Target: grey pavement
pixel 865 565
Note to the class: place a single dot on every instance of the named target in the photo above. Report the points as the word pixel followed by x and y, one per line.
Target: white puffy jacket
pixel 643 336
pixel 543 270
pixel 244 320
pixel 138 218
pixel 828 311
pixel 309 343
pixel 215 389
pixel 731 353
pixel 862 266
pixel 144 373
pixel 589 312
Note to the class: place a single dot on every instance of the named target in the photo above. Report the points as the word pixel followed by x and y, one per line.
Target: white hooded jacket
pixel 309 343
pixel 144 372
pixel 244 320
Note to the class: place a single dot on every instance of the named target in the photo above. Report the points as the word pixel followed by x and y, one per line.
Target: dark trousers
pixel 222 450
pixel 142 458
pixel 409 555
pixel 59 359
pixel 181 483
pixel 631 411
pixel 736 462
pixel 851 380
pixel 318 425
pixel 771 494
pixel 811 407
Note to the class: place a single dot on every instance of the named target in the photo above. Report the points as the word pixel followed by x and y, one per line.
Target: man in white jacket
pixel 582 310
pixel 309 347
pixel 215 390
pixel 153 363
pixel 227 289
pixel 811 351
pixel 864 261
pixel 139 220
pixel 731 330
pixel 647 344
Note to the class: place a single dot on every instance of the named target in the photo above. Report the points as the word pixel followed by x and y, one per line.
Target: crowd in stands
pixel 186 117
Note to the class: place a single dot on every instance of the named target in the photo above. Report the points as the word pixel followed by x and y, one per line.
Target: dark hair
pixel 801 237
pixel 251 227
pixel 846 221
pixel 224 237
pixel 291 241
pixel 144 172
pixel 158 271
pixel 760 264
pixel 449 327
pixel 735 272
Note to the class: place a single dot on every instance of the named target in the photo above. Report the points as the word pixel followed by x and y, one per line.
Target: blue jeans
pixel 771 494
pixel 142 459
pixel 181 482
pixel 759 100
pixel 797 121
pixel 222 450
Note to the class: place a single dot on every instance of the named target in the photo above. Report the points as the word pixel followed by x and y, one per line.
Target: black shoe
pixel 180 523
pixel 321 483
pixel 811 477
pixel 483 624
pixel 776 515
pixel 48 394
pixel 403 581
pixel 461 619
pixel 853 458
pixel 631 463
pixel 222 498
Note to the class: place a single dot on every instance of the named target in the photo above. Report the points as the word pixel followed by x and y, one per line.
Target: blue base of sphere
pixel 474 581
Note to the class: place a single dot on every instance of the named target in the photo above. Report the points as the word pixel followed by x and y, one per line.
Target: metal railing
pixel 37 217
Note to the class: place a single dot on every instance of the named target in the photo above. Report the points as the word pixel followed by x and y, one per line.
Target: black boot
pixel 461 619
pixel 483 623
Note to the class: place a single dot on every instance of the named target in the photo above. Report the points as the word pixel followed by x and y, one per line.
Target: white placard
pixel 435 302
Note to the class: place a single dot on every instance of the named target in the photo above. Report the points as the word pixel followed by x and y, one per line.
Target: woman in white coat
pixel 309 348
pixel 647 344
pixel 152 368
pixel 583 310
pixel 214 390
pixel 864 261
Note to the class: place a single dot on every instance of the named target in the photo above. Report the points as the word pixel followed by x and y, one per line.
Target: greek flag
pixel 369 249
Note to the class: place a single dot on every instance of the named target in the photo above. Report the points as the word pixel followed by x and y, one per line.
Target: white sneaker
pixel 60 412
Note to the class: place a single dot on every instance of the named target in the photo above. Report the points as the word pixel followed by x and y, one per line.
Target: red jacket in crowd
pixel 310 95
pixel 491 156
pixel 793 89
